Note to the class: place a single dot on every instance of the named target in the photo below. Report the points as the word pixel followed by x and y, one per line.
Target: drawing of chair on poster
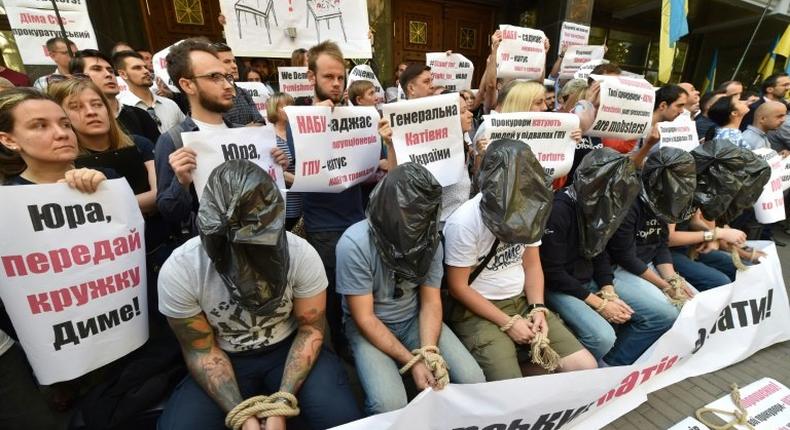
pixel 253 7
pixel 324 10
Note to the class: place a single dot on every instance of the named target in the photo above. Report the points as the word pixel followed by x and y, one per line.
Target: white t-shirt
pixel 206 126
pixel 189 284
pixel 467 241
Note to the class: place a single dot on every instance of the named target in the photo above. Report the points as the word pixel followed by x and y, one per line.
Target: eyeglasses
pixel 55 78
pixel 217 77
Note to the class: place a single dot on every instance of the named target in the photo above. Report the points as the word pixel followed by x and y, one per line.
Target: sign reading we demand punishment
pixel 521 54
pixel 293 80
pixel 73 276
pixel 625 110
pixel 335 148
pixel 454 71
pixel 428 131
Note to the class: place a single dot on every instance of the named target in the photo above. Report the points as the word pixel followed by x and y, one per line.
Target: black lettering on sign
pixel 232 151
pixel 54 216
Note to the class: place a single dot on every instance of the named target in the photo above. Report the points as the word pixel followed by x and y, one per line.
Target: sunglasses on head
pixel 55 78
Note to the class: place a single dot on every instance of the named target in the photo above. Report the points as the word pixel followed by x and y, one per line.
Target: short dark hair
pixel 179 65
pixel 221 47
pixel 326 47
pixel 550 89
pixel 720 111
pixel 77 64
pixel 119 58
pixel 748 93
pixel 771 81
pixel 53 41
pixel 707 97
pixel 411 73
pixel 668 94
pixel 604 69
pixel 725 84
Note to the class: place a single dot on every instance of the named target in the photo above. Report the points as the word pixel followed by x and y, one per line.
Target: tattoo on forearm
pixel 304 350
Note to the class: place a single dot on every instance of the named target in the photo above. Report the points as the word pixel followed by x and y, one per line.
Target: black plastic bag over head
pixel 403 216
pixel 720 173
pixel 242 227
pixel 516 194
pixel 605 185
pixel 755 174
pixel 669 178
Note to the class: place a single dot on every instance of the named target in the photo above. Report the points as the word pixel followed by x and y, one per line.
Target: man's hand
pixel 731 236
pixel 617 311
pixel 385 131
pixel 279 157
pixel 327 103
pixel 423 377
pixel 593 94
pixel 521 332
pixel 252 423
pixel 576 135
pixel 539 324
pixel 274 423
pixel 653 138
pixel 496 39
pixel 708 247
pixel 84 180
pixel 183 161
pixel 546 44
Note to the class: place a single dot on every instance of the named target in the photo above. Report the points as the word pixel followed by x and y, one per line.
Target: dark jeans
pixel 325 398
pixel 324 243
pixel 22 406
pixel 710 270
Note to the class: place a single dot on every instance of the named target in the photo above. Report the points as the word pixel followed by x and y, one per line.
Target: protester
pixel 148 58
pixel 773 88
pixel 692 108
pixel 669 103
pixel 120 46
pixel 246 271
pixel 60 50
pixel 768 117
pixel 573 91
pixel 299 58
pixel 702 121
pixel 362 93
pixel 750 97
pixel 276 116
pixel 391 93
pixel 16 78
pixel 132 69
pixel 731 88
pixel 551 98
pixel 244 111
pixel 727 113
pixel 251 76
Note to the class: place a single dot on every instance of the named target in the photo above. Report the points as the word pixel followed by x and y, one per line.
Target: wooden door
pixel 467 31
pixel 168 21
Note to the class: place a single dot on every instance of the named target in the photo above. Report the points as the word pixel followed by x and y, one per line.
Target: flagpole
pixel 754 33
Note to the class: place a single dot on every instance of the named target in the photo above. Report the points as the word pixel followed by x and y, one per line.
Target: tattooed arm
pixel 310 314
pixel 208 364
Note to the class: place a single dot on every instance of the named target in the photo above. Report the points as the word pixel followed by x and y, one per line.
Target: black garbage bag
pixel 242 226
pixel 755 174
pixel 720 173
pixel 517 196
pixel 669 178
pixel 605 185
pixel 403 215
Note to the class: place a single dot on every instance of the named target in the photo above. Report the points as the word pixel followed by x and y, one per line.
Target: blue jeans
pixel 592 330
pixel 653 315
pixel 378 372
pixel 325 398
pixel 711 270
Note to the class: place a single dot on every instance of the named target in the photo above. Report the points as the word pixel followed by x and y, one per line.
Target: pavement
pixel 666 407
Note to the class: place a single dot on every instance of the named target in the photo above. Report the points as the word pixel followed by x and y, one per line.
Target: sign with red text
pixel 73 277
pixel 625 110
pixel 159 62
pixel 214 147
pixel 770 207
pixel 548 135
pixel 428 131
pixel 680 133
pixel 335 148
pixel 293 80
pixel 586 69
pixel 521 54
pixel 767 403
pixel 572 34
pixel 363 72
pixel 715 329
pixel 33 22
pixel 454 71
pixel 577 56
pixel 259 92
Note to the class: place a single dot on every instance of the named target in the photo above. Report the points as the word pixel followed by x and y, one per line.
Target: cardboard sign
pixel 260 93
pixel 335 148
pixel 577 56
pixel 454 71
pixel 521 54
pixel 573 34
pixel 214 147
pixel 293 80
pixel 546 133
pixel 428 131
pixel 625 110
pixel 363 72
pixel 770 207
pixel 73 276
pixel 680 133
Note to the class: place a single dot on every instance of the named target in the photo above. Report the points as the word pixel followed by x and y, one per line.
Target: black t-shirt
pixel 128 162
pixel 19 180
pixel 137 121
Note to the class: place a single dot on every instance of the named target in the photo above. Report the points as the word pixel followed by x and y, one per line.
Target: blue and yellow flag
pixel 769 61
pixel 674 25
pixel 710 78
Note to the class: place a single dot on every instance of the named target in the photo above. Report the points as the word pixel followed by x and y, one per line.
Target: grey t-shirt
pixel 5 342
pixel 189 284
pixel 360 270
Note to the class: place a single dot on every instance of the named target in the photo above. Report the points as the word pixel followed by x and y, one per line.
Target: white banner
pixel 214 147
pixel 680 133
pixel 454 71
pixel 573 34
pixel 363 72
pixel 577 56
pixel 546 133
pixel 159 61
pixel 274 28
pixel 715 329
pixel 33 22
pixel 521 54
pixel 260 93
pixel 293 80
pixel 625 110
pixel 73 279
pixel 770 207
pixel 428 131
pixel 335 148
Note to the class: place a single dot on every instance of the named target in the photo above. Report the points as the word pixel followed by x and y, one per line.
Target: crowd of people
pixel 501 275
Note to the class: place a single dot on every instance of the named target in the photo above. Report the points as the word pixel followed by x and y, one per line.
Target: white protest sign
pixel 259 94
pixel 33 22
pixel 275 28
pixel 767 404
pixel 715 329
pixel 573 34
pixel 428 131
pixel 546 133
pixel 159 62
pixel 335 148
pixel 123 88
pixel 214 147
pixel 73 278
pixel 689 423
pixel 577 56
pixel 586 69
pixel 625 110
pixel 293 80
pixel 453 71
pixel 770 207
pixel 363 72
pixel 680 133
pixel 785 174
pixel 521 54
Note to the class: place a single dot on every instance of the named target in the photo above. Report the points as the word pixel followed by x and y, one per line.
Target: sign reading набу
pixel 521 54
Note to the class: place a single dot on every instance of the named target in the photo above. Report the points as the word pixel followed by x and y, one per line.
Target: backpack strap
pixel 475 273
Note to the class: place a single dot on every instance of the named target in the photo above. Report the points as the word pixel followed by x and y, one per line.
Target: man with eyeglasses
pixel 131 67
pixel 197 71
pixel 244 111
pixel 58 51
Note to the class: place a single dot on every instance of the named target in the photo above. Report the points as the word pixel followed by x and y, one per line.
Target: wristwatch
pixel 708 235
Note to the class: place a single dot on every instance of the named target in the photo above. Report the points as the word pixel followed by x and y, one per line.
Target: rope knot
pixel 431 356
pixel 676 292
pixel 278 404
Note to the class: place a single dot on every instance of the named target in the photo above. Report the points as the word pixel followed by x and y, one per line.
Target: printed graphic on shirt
pixel 587 143
pixel 507 255
pixel 651 233
pixel 246 331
